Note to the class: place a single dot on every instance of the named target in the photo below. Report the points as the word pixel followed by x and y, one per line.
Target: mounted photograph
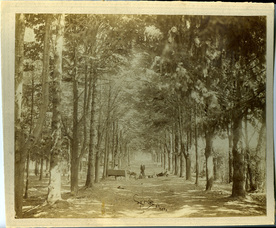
pixel 138 115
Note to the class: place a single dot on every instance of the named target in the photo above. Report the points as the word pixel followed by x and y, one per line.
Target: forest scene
pixel 139 116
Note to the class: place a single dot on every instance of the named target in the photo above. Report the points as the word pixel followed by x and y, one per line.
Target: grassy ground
pixel 153 197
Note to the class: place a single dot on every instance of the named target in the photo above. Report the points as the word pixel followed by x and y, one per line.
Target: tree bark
pixel 250 184
pixel 197 157
pixel 230 149
pixel 91 155
pixel 41 168
pixel 238 188
pixel 21 147
pixel 260 160
pixel 188 167
pixel 54 187
pixel 31 129
pixel 36 167
pixel 176 148
pixel 106 149
pixel 27 176
pixel 47 167
pixel 209 159
pixel 20 155
pixel 187 159
pixel 181 165
pixel 215 164
pixel 75 139
pixel 98 147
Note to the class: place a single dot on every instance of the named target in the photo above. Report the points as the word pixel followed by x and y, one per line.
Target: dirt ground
pixel 152 197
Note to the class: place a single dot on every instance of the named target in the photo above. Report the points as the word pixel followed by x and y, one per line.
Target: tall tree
pixel 22 147
pixel 54 187
pixel 20 156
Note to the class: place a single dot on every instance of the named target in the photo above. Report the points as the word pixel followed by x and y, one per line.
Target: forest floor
pixel 169 196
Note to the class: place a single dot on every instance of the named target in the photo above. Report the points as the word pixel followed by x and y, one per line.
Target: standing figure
pixel 142 172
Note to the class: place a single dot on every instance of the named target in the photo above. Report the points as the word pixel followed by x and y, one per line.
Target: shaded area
pixel 157 197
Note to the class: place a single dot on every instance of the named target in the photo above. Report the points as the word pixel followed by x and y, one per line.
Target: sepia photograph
pixel 140 115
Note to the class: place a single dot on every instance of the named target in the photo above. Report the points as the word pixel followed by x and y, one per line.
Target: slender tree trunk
pixel 97 165
pixel 176 147
pixel 113 145
pixel 105 154
pixel 54 188
pixel 30 132
pixel 188 159
pixel 98 152
pixel 115 161
pixel 75 139
pixel 182 165
pixel 169 160
pixel 230 149
pixel 165 157
pixel 215 168
pixel 27 176
pixel 250 182
pixel 41 168
pixel 161 155
pixel 107 150
pixel 47 167
pixel 196 151
pixel 128 156
pixel 36 167
pixel 209 160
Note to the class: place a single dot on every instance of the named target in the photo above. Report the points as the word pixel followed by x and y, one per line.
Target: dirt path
pixel 153 197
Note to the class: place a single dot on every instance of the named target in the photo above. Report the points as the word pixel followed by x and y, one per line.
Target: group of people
pixel 143 175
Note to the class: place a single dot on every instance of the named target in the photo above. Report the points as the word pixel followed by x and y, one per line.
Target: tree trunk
pixel 21 148
pixel 41 168
pixel 165 157
pixel 187 158
pixel 91 155
pixel 36 167
pixel 169 160
pixel 31 129
pixel 197 156
pixel 20 155
pixel 250 182
pixel 106 147
pixel 128 156
pixel 75 139
pixel 27 176
pixel 97 165
pixel 215 164
pixel 54 188
pixel 74 177
pixel 181 165
pixel 230 149
pixel 238 188
pixel 176 148
pixel 98 147
pixel 260 160
pixel 188 167
pixel 196 148
pixel 209 160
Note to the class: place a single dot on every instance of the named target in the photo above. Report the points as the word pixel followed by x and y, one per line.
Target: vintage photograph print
pixel 141 116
